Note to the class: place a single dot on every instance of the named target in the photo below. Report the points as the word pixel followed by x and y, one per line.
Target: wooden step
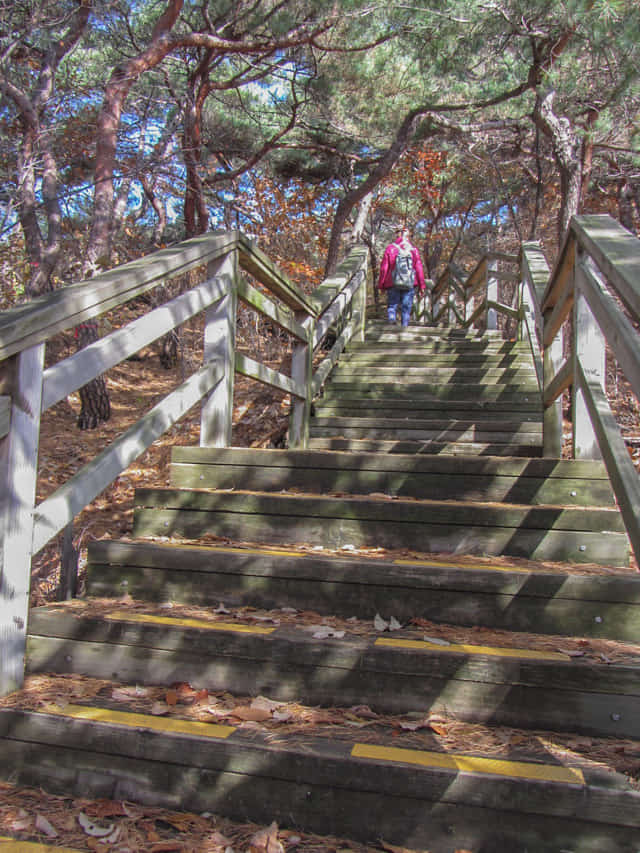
pixel 538 532
pixel 481 391
pixel 524 377
pixel 421 410
pixel 343 785
pixel 533 481
pixel 364 445
pixel 399 673
pixel 442 431
pixel 524 598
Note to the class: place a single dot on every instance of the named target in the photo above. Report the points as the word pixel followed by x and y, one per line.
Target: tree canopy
pixel 306 123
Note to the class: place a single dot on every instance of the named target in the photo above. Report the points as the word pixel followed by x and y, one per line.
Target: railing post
pixel 220 344
pixel 18 473
pixel 359 307
pixel 492 294
pixel 302 374
pixel 589 351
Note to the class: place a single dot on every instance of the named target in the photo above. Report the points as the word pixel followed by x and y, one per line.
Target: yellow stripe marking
pixel 169 725
pixel 14 846
pixel 471 763
pixel 123 616
pixel 424 645
pixel 251 551
pixel 474 568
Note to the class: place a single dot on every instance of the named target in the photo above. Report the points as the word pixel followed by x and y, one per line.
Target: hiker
pixel 400 273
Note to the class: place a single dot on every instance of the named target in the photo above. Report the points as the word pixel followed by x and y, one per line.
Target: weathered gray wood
pixel 220 348
pixel 616 253
pixel 58 510
pixel 555 319
pixel 290 665
pixel 492 294
pixel 536 532
pixel 501 308
pixel 254 261
pixel 445 485
pixel 365 445
pixel 326 365
pixel 18 473
pixel 324 784
pixel 264 374
pixel 5 415
pixel 561 278
pixel 589 352
pixel 72 373
pixel 338 306
pixel 265 306
pixel 302 375
pixel 41 318
pixel 562 379
pixel 620 334
pixel 622 472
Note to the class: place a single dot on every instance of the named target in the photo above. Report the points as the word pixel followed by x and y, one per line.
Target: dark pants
pixel 402 299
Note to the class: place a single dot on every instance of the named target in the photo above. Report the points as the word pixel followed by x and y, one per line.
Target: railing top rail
pixel 36 321
pixel 254 261
pixel 614 250
pixel 616 253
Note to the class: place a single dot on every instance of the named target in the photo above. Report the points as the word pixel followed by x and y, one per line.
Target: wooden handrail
pixel 28 390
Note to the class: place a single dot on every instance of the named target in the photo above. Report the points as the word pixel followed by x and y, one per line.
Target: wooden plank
pixel 443 486
pixel 426 447
pixel 219 347
pixel 267 376
pixel 558 316
pixel 199 773
pixel 254 261
pixel 497 597
pixel 622 473
pixel 589 358
pixel 18 475
pixel 41 318
pixel 58 510
pixel 562 469
pixel 327 364
pixel 5 415
pixel 616 252
pixel 355 261
pixel 390 676
pixel 337 307
pixel 371 509
pixel 562 380
pixel 250 295
pixel 620 334
pixel 577 535
pixel 72 373
pixel 302 376
pixel 507 310
pixel 561 279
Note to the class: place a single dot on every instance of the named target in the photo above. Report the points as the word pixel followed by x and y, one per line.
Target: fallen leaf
pixel 394 625
pixel 254 715
pixel 438 728
pixel 171 698
pixel 379 623
pixel 158 709
pixel 266 840
pixel 264 704
pixel 44 826
pixel 92 828
pixel 282 716
pixel 437 641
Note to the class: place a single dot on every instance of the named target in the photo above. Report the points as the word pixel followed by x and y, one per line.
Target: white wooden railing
pixel 593 298
pixel 27 389
pixel 598 273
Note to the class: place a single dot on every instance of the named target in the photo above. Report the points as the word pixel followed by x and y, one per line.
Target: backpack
pixel 403 276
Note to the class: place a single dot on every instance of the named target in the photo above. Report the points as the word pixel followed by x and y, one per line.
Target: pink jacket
pixel 385 280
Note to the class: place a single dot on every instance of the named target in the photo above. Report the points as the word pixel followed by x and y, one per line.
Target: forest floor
pixel 260 420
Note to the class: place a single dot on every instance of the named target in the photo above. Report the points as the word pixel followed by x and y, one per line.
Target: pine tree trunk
pixel 95 408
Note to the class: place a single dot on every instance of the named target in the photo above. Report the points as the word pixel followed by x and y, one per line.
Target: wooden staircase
pixel 409 529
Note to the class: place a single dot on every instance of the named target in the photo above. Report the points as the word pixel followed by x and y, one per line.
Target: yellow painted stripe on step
pixel 474 568
pixel 176 622
pixel 497 651
pixel 471 763
pixel 12 845
pixel 252 552
pixel 167 725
